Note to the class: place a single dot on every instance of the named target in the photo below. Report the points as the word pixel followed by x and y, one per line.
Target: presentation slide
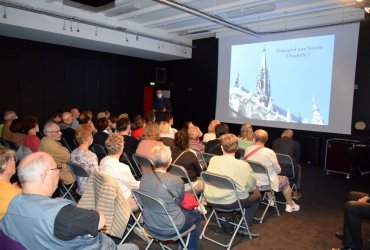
pixel 301 80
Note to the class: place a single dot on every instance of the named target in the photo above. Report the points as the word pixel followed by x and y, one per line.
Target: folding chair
pixel 99 150
pixel 287 168
pixel 142 162
pixel 241 152
pixel 157 205
pixel 181 172
pixel 77 170
pixel 125 159
pixel 207 157
pixel 262 170
pixel 65 191
pixel 224 182
pixel 65 143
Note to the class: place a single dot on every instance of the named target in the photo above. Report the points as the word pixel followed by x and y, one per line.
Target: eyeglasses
pixel 56 131
pixel 59 167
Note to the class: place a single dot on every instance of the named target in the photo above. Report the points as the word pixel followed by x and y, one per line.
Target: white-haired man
pixel 39 222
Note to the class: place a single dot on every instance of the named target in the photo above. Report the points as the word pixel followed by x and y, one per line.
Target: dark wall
pixel 39 79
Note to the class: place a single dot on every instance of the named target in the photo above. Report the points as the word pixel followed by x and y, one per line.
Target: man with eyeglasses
pixel 50 144
pixel 39 222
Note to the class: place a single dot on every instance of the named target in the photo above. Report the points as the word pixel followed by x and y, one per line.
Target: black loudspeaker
pixel 311 150
pixel 160 75
pixel 94 3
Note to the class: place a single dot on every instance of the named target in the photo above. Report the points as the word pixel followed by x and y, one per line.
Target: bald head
pixel 38 174
pixel 260 136
pixel 287 133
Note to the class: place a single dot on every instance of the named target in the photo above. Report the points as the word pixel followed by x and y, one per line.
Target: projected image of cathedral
pixel 258 104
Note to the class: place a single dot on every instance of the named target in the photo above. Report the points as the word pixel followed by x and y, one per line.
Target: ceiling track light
pixel 127 38
pixel 96 30
pixel 137 37
pixel 209 17
pixel 78 27
pixel 71 26
pixel 64 24
pixel 5 15
pixel 19 6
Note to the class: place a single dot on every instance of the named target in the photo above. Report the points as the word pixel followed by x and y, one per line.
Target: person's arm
pixel 275 163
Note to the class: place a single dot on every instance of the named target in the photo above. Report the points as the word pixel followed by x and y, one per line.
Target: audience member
pixel 68 133
pixel 123 128
pixel 246 136
pixel 50 144
pixel 75 114
pixel 357 208
pixel 152 184
pixel 46 226
pixel 161 106
pixel 267 157
pixel 181 155
pixel 169 118
pixel 241 174
pixel 214 146
pixel 149 139
pixel 7 170
pixel 1 123
pixel 211 135
pixel 150 117
pixel 56 117
pixel 139 122
pixel 164 133
pixel 31 128
pixel 102 135
pixel 17 136
pixel 287 145
pixel 111 165
pixel 195 145
pixel 83 156
pixel 85 119
pixel 9 116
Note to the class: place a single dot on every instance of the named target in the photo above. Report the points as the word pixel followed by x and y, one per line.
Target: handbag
pixel 189 202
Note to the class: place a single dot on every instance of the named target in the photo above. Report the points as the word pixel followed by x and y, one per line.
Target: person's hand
pixel 164 109
pixel 363 199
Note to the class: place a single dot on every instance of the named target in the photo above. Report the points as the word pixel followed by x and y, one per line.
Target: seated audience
pixel 150 117
pixel 111 165
pixel 183 156
pixel 56 117
pixel 51 223
pixel 356 209
pixel 151 183
pixel 267 157
pixel 211 135
pixel 75 115
pixel 246 136
pixel 9 116
pixel 123 128
pixel 195 145
pixel 139 127
pixel 169 118
pixel 149 139
pixel 164 133
pixel 31 128
pixel 85 119
pixel 17 136
pixel 241 174
pixel 287 145
pixel 83 156
pixel 7 170
pixel 214 146
pixel 102 135
pixel 50 144
pixel 68 133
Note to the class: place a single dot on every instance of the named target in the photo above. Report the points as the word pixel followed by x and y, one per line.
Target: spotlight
pixel 96 30
pixel 64 24
pixel 127 38
pixel 137 37
pixel 78 27
pixel 367 9
pixel 71 27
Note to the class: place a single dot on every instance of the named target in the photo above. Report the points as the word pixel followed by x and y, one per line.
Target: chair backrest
pixel 154 204
pixel 181 172
pixel 141 160
pixel 258 168
pixel 99 150
pixel 219 181
pixel 9 144
pixel 286 164
pixel 207 157
pixel 77 170
pixel 241 152
pixel 126 160
pixel 65 143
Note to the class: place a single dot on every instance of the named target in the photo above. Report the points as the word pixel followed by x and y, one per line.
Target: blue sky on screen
pixel 299 69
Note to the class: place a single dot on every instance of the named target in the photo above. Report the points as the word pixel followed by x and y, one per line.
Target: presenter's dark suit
pixel 159 105
pixel 288 146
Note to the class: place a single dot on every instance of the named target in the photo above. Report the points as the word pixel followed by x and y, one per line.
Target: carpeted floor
pixel 311 228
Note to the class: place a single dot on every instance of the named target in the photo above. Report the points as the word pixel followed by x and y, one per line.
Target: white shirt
pixel 266 157
pixel 121 172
